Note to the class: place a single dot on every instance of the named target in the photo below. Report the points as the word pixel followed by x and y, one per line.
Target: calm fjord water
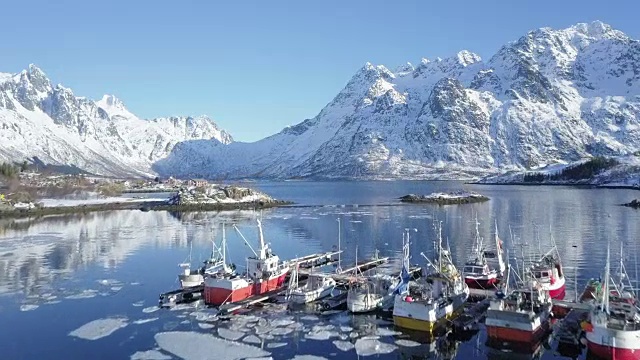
pixel 60 273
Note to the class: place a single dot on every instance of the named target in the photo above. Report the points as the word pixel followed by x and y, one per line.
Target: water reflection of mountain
pixel 34 252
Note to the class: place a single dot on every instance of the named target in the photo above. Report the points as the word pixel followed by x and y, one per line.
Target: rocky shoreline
pixel 452 198
pixel 142 206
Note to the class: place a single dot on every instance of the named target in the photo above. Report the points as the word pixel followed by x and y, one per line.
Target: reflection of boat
pixel 613 330
pixel 498 349
pixel 443 346
pixel 439 296
pixel 265 273
pixel 484 268
pixel 318 286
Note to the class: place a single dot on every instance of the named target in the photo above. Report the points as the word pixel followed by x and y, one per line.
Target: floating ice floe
pixel 28 307
pixel 281 331
pixel 85 294
pixel 144 321
pixel 116 288
pixel 368 347
pixel 321 335
pixel 252 339
pixel 206 326
pixel 275 345
pixel 260 358
pixel 109 282
pixel 345 328
pixel 150 309
pixel 98 329
pixel 230 334
pixel 387 332
pixel 343 345
pixel 282 322
pixel 150 355
pixel 52 302
pixel 309 318
pixel 196 346
pixel 407 343
pixel 138 303
pixel 308 357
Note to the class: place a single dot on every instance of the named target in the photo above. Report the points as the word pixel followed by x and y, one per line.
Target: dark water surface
pixel 60 273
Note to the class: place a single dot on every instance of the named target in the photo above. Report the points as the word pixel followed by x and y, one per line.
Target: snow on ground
pixel 196 346
pixel 97 201
pixel 150 355
pixel 98 329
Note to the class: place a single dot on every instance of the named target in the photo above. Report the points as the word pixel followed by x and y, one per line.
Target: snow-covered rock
pixel 552 95
pixel 216 194
pixel 49 123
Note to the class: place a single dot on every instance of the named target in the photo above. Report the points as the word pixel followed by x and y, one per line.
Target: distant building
pixel 197 182
pixel 171 181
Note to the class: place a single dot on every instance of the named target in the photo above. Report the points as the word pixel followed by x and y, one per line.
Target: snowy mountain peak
pixel 466 58
pixel 114 106
pixel 597 30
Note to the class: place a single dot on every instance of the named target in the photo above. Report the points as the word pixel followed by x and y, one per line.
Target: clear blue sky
pixel 258 66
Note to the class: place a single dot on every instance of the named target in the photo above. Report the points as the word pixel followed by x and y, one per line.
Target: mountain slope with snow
pixel 39 120
pixel 552 95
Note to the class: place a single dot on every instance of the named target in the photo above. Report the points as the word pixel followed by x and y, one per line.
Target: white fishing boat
pixel 485 268
pixel 216 266
pixel 439 296
pixel 317 286
pixel 613 329
pixel 370 293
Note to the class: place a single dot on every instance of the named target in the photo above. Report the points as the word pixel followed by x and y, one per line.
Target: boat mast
pixel 440 245
pixel 263 249
pixel 605 296
pixel 339 269
pixel 224 246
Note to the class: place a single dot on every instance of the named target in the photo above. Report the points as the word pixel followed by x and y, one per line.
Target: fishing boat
pixel 317 286
pixel 215 266
pixel 435 298
pixel 547 271
pixel 484 268
pixel 521 315
pixel 370 293
pixel 613 329
pixel 265 272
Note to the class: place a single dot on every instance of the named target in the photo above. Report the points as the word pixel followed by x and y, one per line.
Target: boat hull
pixel 188 281
pixel 227 292
pixel 519 336
pixel 482 283
pixel 426 317
pixel 309 296
pixel 614 344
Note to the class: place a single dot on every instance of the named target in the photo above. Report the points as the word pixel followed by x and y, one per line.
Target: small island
pixel 450 198
pixel 633 204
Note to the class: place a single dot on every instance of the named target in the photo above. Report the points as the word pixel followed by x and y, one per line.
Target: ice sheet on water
pixel 252 339
pixel 371 337
pixel 343 345
pixel 138 303
pixel 230 334
pixel 52 302
pixel 308 357
pixel 150 355
pixel 260 358
pixel 281 331
pixel 407 343
pixel 144 321
pixel 109 282
pixel 387 332
pixel 116 288
pixel 346 328
pixel 310 318
pixel 275 345
pixel 195 346
pixel 321 335
pixel 185 322
pixel 84 294
pixel 204 316
pixel 368 347
pixel 98 329
pixel 206 326
pixel 322 328
pixel 282 322
pixel 150 309
pixel 28 307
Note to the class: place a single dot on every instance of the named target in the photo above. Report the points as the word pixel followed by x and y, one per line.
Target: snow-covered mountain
pixel 51 124
pixel 551 95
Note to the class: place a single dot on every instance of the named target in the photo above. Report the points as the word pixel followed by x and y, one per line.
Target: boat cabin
pixel 476 270
pixel 262 268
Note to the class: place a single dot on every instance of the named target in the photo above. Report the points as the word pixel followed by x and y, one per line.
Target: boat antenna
pixel 440 244
pixel 224 245
pixel 339 268
pixel 605 297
